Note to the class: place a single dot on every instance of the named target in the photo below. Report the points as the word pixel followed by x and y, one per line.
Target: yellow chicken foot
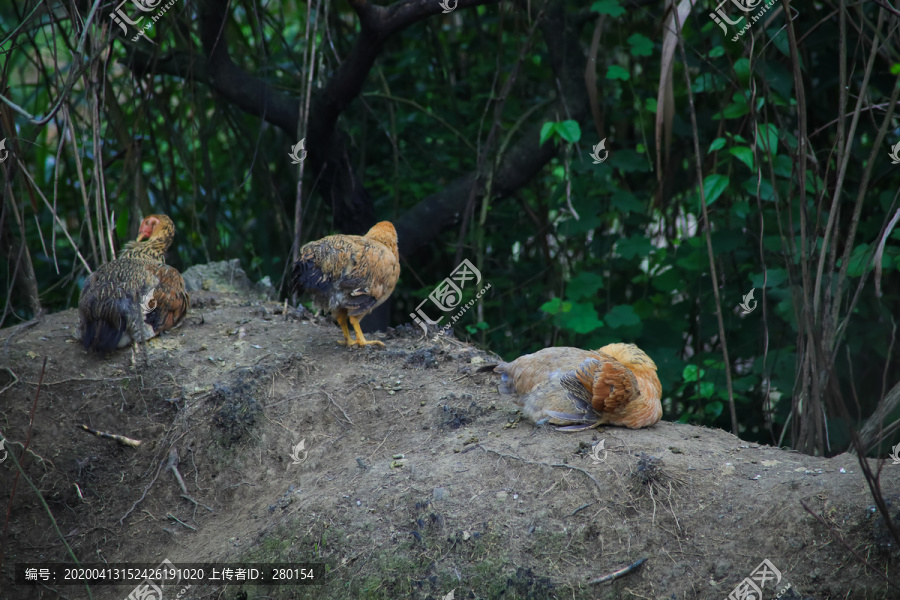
pixel 342 321
pixel 360 338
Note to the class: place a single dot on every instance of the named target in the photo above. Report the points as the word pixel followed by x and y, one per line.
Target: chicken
pixel 136 296
pixel 350 275
pixel 581 389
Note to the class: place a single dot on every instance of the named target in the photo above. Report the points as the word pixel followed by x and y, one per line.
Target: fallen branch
pixel 112 436
pixel 620 573
pixel 346 416
pixel 173 465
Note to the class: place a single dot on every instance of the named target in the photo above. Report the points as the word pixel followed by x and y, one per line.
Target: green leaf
pixel 617 72
pixel 709 82
pixel 650 104
pixel 692 373
pixel 554 306
pixel 742 70
pixel 582 318
pixel 783 166
pixel 779 39
pixel 668 281
pixel 546 131
pixel 626 202
pixel 717 52
pixel 637 246
pixel 608 7
pixel 774 278
pixel 640 45
pixel 895 68
pixel 859 260
pixel 714 408
pixel 707 389
pixel 694 261
pixel 737 108
pixel 713 186
pixel 743 154
pixel 584 285
pixel 717 144
pixel 765 188
pixel 768 139
pixel 622 315
pixel 569 131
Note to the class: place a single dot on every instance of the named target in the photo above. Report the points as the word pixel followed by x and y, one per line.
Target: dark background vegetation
pixel 439 123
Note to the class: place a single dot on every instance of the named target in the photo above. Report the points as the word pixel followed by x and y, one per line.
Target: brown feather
pixel 110 309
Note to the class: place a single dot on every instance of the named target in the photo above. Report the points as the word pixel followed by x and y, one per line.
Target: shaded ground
pixel 479 504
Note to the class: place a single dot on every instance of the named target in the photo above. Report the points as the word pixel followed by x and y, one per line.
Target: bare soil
pixel 480 504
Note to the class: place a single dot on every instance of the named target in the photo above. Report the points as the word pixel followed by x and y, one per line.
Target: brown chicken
pixel 350 275
pixel 581 389
pixel 136 296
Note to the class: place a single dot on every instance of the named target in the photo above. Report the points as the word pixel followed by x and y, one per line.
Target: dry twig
pixel 620 573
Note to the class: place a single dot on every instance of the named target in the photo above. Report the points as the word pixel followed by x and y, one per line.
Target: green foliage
pixel 608 7
pixel 640 45
pixel 617 72
pixel 569 131
pixel 633 266
pixel 714 186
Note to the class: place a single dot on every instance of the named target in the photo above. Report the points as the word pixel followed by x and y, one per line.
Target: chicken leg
pixel 341 317
pixel 360 338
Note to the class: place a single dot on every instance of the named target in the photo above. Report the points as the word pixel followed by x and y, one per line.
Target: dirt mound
pixel 414 478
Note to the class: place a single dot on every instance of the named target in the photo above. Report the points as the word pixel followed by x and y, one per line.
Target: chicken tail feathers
pixel 308 276
pixel 507 384
pixel 103 334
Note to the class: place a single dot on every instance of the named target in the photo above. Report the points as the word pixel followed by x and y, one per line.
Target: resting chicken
pixel 581 389
pixel 350 275
pixel 135 297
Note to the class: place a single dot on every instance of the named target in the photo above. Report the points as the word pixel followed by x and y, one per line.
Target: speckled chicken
pixel 350 275
pixel 136 296
pixel 581 389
